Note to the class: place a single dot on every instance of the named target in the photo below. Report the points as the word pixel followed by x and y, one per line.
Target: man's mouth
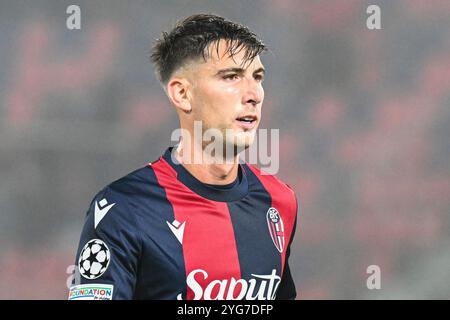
pixel 247 121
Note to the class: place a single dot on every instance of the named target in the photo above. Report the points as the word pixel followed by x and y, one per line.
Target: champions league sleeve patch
pixel 94 259
pixel 94 291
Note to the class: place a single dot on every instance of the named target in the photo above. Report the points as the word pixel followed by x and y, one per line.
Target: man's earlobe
pixel 177 90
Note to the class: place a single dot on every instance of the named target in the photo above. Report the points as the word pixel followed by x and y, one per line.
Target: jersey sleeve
pixel 108 252
pixel 287 290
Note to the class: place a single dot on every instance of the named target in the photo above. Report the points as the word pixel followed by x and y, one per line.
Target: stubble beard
pixel 231 145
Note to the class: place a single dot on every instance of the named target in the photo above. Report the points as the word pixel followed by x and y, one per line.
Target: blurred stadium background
pixel 364 118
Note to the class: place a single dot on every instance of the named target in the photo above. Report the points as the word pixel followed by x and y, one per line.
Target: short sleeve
pixel 108 253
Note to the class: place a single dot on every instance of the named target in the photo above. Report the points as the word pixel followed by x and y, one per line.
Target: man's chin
pixel 233 148
pixel 240 146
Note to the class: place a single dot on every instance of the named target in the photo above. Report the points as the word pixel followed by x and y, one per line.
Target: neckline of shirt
pixel 233 191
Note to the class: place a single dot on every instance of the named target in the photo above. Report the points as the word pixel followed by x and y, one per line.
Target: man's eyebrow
pixel 260 70
pixel 239 70
pixel 232 69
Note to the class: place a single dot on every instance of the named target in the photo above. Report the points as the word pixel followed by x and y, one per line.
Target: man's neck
pixel 207 171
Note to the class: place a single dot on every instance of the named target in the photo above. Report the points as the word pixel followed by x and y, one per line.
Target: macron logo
pixel 101 211
pixel 177 228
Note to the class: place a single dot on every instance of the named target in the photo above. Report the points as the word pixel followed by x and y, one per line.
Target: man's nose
pixel 254 93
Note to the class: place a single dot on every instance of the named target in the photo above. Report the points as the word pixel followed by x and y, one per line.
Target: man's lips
pixel 247 121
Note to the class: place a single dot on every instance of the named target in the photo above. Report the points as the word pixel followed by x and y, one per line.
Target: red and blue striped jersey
pixel 160 233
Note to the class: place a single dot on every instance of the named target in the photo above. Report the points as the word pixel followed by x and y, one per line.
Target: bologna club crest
pixel 276 228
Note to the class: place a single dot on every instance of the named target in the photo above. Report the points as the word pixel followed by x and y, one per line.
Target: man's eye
pixel 259 77
pixel 231 76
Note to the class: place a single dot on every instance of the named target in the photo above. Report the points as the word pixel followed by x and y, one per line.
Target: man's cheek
pixel 233 91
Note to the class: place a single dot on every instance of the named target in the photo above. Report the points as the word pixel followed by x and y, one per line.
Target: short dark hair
pixel 190 39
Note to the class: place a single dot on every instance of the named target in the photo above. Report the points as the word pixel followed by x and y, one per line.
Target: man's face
pixel 228 95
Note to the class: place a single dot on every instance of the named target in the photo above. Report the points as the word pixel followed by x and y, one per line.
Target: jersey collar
pixel 223 193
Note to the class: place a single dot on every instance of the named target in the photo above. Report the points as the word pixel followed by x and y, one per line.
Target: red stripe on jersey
pixel 283 199
pixel 274 232
pixel 208 242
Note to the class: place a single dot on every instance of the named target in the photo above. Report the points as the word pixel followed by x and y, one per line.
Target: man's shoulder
pixel 129 191
pixel 271 180
pixel 126 203
pixel 283 195
pixel 134 182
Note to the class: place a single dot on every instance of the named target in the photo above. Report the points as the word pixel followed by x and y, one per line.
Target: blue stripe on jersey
pixel 248 215
pixel 161 271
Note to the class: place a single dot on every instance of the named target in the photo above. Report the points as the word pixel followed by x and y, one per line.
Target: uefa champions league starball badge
pixel 94 259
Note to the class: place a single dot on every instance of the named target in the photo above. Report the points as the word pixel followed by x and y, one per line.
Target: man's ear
pixel 178 92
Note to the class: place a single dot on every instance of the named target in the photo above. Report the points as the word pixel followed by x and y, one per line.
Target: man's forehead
pixel 220 57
